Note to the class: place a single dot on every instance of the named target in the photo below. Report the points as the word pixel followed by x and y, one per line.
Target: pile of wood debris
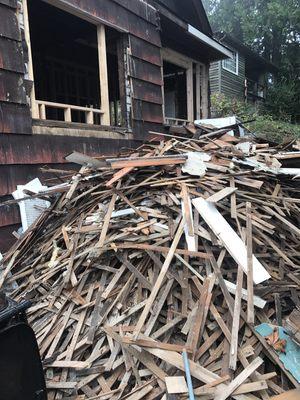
pixel 176 248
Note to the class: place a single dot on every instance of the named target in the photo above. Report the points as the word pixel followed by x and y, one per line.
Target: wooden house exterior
pixel 244 76
pixel 94 76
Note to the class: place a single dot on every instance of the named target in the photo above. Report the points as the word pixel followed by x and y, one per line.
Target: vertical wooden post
pixel 204 91
pixel 198 91
pixel 68 114
pixel 34 106
pixel 190 95
pixel 104 95
pixel 249 243
pixel 42 111
pixel 89 117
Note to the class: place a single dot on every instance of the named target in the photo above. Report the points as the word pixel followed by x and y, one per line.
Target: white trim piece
pixel 211 42
pixel 231 241
pixel 236 72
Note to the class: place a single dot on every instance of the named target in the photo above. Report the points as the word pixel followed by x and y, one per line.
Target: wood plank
pixel 102 56
pixel 224 393
pixel 229 238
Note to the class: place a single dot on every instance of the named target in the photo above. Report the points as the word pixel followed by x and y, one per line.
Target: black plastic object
pixel 21 373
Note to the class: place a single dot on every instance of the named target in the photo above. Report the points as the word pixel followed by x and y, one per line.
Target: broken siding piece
pixel 229 238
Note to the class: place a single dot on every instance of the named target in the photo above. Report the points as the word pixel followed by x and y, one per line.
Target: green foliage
pixel 269 26
pixel 283 100
pixel 223 106
pixel 272 28
pixel 265 125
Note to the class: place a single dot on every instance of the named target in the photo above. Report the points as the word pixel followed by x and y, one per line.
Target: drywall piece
pixel 222 123
pixel 195 164
pixel 30 209
pixel 259 166
pixel 232 242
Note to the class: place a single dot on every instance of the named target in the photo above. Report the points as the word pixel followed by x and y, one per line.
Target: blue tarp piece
pixel 290 360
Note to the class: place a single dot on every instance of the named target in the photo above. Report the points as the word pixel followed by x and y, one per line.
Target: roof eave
pixel 224 51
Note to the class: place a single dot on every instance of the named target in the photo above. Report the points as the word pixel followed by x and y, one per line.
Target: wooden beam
pixel 204 92
pixel 198 91
pixel 34 106
pixel 190 92
pixel 102 56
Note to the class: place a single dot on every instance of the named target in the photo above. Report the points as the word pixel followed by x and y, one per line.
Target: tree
pixel 270 27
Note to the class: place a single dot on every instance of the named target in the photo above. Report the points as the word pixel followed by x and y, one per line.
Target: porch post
pixel 102 56
pixel 34 107
pixel 204 91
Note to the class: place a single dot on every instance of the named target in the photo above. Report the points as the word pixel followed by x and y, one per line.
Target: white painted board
pixel 231 241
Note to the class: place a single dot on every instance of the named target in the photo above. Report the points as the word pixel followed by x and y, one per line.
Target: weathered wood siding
pixel 233 85
pixel 21 156
pixel 14 110
pixel 215 77
pixel 140 22
pixel 226 82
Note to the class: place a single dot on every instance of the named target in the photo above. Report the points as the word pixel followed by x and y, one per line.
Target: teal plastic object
pixel 290 360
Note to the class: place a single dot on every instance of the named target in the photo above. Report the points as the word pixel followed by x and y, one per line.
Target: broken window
pixel 75 67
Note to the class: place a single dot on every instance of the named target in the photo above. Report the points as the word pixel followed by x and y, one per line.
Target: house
pixel 94 76
pixel 244 76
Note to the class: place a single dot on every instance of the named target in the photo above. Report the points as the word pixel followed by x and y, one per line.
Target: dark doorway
pixel 175 91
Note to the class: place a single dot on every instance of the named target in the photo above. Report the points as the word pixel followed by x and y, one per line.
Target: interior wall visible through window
pixel 66 64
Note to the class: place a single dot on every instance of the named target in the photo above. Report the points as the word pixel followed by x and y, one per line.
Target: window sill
pixel 232 72
pixel 61 128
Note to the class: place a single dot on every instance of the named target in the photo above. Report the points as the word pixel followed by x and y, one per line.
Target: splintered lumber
pixel 138 262
pixel 160 279
pixel 225 393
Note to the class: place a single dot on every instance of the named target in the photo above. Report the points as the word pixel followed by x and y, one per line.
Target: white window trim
pixel 236 72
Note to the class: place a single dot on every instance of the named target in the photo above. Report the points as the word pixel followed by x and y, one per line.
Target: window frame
pixel 38 107
pixel 236 72
pixel 187 63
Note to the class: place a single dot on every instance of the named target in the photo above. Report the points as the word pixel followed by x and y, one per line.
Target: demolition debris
pixel 183 247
